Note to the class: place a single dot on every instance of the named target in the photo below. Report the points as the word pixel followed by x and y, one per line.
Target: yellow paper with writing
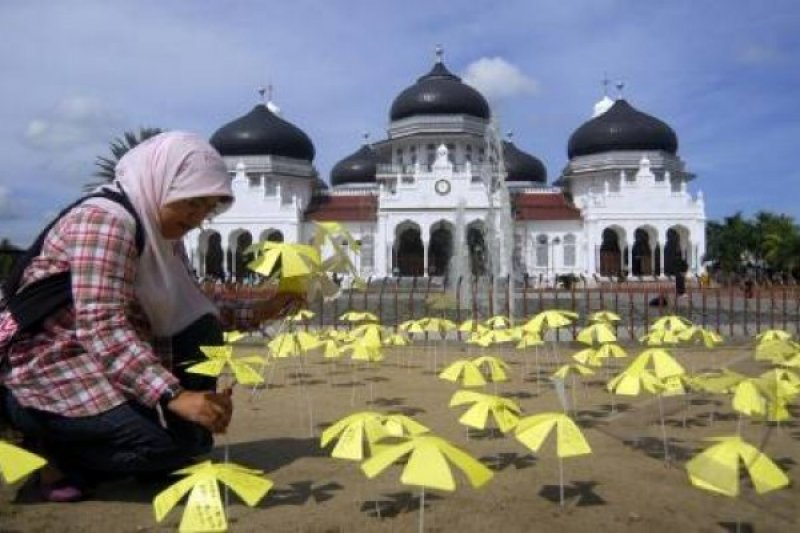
pixel 204 511
pixel 16 463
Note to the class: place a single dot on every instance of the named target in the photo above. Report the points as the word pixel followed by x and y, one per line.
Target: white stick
pixel 422 510
pixel 663 429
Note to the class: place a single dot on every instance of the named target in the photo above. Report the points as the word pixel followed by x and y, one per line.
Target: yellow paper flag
pixel 16 463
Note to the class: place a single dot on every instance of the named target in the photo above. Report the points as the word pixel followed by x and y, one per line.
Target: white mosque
pixel 619 207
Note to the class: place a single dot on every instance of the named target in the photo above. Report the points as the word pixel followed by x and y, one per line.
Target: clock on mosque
pixel 442 187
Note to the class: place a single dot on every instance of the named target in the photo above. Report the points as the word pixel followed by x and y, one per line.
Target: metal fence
pixel 731 310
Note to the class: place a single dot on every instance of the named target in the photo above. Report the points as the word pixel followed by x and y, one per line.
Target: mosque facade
pixel 443 189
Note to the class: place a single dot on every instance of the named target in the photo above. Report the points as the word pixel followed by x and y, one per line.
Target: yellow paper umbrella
pixel 497 336
pixel 529 339
pixel 16 463
pixel 717 468
pixel 779 386
pixel 335 234
pixel 204 510
pixel 599 333
pixel 533 430
pixel 708 338
pixel 604 316
pixel 566 370
pixel 466 371
pixel 220 357
pixel 230 337
pixel 428 465
pixel 330 349
pixel 396 339
pixel 671 322
pixel 570 442
pixel 290 258
pixel 588 356
pixel 495 366
pixel 370 333
pixel 748 399
pixel 398 425
pixel 554 318
pixel 717 382
pixel 660 337
pixel 292 344
pixel 406 325
pixel 634 379
pixel 470 325
pixel 773 335
pixel 498 322
pixel 478 339
pixel 437 325
pixel 362 351
pixel 505 412
pixel 664 365
pixel 353 433
pixel 301 316
pixel 776 350
pixel 358 316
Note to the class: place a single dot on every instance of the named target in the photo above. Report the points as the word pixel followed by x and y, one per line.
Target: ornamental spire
pixel 439 51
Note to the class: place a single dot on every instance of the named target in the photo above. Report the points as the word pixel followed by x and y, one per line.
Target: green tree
pixel 730 243
pixel 118 147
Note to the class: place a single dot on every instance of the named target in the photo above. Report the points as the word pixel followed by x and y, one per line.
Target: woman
pixel 99 387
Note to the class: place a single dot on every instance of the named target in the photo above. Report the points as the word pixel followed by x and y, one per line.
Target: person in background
pixel 100 388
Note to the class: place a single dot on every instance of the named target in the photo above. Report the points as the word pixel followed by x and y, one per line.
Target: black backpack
pixel 40 299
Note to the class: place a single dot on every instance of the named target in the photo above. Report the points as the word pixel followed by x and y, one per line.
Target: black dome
pixel 522 166
pixel 261 132
pixel 439 92
pixel 358 167
pixel 622 128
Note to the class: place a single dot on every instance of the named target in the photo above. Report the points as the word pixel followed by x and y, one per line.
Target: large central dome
pixel 439 92
pixel 622 127
pixel 261 132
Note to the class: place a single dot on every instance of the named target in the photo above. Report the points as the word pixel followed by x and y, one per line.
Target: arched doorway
pixel 673 255
pixel 476 245
pixel 610 253
pixel 241 272
pixel 440 250
pixel 642 254
pixel 272 235
pixel 213 266
pixel 410 254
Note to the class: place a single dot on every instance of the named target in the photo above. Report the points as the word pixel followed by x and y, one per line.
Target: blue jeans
pixel 128 439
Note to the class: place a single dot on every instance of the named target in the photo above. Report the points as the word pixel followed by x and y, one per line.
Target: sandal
pixel 61 491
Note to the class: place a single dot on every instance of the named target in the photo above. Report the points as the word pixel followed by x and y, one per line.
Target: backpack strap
pixel 40 299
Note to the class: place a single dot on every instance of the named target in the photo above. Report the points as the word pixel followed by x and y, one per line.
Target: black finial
pixel 261 91
pixel 620 85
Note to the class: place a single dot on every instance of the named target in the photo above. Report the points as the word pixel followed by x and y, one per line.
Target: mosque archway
pixel 213 260
pixel 478 253
pixel 240 271
pixel 642 252
pixel 674 254
pixel 409 252
pixel 440 249
pixel 610 253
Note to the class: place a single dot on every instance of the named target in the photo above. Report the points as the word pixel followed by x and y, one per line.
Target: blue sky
pixel 724 75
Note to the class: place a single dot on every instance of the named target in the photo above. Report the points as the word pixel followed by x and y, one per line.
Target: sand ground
pixel 624 485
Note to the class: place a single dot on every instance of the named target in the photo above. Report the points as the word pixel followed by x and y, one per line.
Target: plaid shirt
pixel 97 353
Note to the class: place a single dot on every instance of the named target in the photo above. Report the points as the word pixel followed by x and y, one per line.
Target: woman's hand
pixel 212 410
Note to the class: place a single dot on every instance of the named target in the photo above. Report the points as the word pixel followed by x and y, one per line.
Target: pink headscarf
pixel 168 167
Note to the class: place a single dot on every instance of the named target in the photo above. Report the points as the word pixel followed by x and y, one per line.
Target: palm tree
pixel 118 148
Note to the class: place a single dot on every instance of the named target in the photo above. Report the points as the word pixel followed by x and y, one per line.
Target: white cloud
pixel 497 79
pixel 75 121
pixel 756 54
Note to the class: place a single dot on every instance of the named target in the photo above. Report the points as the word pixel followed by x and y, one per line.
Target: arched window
pixel 569 250
pixel 541 251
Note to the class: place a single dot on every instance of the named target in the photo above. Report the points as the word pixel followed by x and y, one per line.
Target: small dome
pixel 522 166
pixel 622 127
pixel 261 132
pixel 439 92
pixel 359 167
